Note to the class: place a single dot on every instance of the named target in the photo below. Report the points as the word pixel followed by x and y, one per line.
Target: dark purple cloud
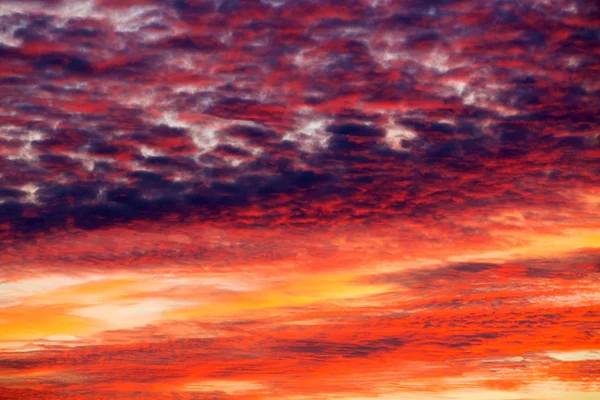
pixel 404 110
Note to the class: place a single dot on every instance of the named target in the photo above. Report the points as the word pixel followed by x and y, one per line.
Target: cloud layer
pixel 299 199
pixel 319 113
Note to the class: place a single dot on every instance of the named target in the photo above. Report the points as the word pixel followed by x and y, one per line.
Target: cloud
pixel 575 355
pixel 298 199
pixel 518 128
pixel 127 314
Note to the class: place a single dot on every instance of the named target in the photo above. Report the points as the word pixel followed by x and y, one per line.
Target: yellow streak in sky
pixel 295 292
pixel 25 322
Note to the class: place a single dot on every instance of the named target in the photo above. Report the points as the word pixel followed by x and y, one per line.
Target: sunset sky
pixel 299 199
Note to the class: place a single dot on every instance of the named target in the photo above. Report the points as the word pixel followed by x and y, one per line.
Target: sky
pixel 299 199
